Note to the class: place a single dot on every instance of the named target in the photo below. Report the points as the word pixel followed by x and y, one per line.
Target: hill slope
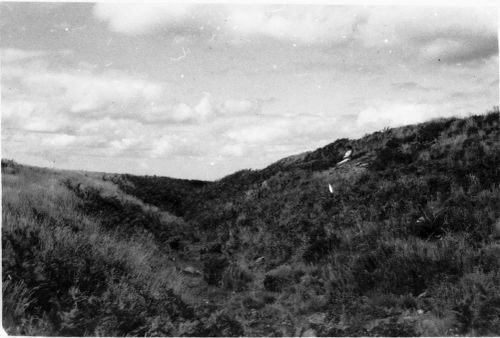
pixel 407 243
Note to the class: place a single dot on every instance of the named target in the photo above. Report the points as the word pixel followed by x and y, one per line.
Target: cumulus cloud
pixel 462 49
pixel 207 109
pixel 308 24
pixel 449 34
pixel 14 55
pixel 60 140
pixel 140 18
pixel 260 132
pixel 239 107
pixel 80 111
pixel 90 113
pixel 81 92
pixel 278 135
pixel 204 108
pixel 410 85
pixel 395 114
pixel 34 93
pixel 236 150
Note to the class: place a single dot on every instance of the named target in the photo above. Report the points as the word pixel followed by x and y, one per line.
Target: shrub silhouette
pixel 213 269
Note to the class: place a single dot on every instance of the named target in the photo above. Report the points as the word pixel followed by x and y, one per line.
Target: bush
pixel 319 245
pixel 236 278
pixel 213 269
pixel 278 279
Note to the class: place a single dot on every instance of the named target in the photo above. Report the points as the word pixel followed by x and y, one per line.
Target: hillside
pixel 407 243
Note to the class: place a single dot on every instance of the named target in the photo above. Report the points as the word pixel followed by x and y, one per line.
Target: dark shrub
pixel 222 325
pixel 488 318
pixel 393 328
pixel 256 303
pixel 236 278
pixel 213 269
pixel 176 244
pixel 430 131
pixel 320 245
pixel 215 248
pixel 275 283
pixel 388 270
pixel 492 117
pixel 390 155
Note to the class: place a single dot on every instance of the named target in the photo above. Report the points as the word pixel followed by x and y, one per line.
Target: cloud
pixel 35 92
pixel 80 111
pixel 15 55
pixel 140 18
pixel 162 146
pixel 9 55
pixel 204 109
pixel 59 141
pixel 261 132
pixel 410 85
pixel 308 24
pixel 234 150
pixel 301 23
pixel 84 92
pixel 234 107
pixel 395 114
pixel 278 135
pixel 453 35
pixel 113 114
pixel 461 49
pixel 207 109
pixel 459 34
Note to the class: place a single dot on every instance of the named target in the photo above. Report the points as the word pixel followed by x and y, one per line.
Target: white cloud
pixel 460 49
pixel 139 18
pixel 395 114
pixel 469 32
pixel 232 150
pixel 203 111
pixel 298 22
pixel 89 113
pixel 278 135
pixel 14 55
pixel 204 108
pixel 260 132
pixel 120 146
pixel 183 113
pixel 238 107
pixel 452 34
pixel 59 141
pixel 33 92
pixel 90 93
pixel 308 24
pixel 161 147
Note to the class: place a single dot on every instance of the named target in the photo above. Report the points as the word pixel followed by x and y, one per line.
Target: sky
pixel 202 90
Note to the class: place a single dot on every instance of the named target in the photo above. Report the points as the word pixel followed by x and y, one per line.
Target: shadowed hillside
pixel 407 243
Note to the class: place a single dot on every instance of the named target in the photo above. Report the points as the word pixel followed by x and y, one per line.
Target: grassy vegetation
pixel 407 244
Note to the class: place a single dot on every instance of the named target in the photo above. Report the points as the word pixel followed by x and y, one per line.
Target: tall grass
pixel 64 273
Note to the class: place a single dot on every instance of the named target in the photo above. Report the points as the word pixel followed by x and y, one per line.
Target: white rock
pixel 309 333
pixel 190 270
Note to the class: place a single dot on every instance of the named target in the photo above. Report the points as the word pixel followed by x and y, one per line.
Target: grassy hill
pixel 407 244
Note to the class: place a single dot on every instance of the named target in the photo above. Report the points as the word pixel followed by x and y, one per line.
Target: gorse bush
pixel 405 245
